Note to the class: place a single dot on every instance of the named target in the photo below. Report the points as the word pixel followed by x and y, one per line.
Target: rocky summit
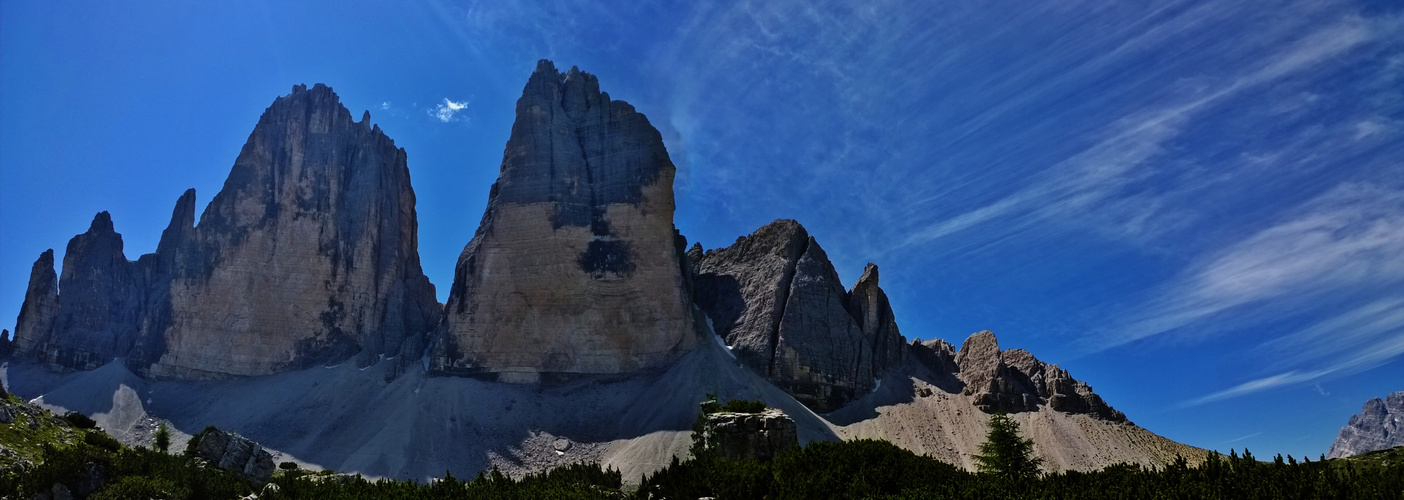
pixel 308 255
pixel 777 301
pixel 1013 380
pixel 1378 426
pixel 576 267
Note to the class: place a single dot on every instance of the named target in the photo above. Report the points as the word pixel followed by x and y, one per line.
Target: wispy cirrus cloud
pixel 1352 237
pixel 1097 179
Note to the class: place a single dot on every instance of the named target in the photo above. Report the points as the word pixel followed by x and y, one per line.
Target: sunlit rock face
pixel 777 301
pixel 575 267
pixel 1015 381
pixel 1378 426
pixel 308 255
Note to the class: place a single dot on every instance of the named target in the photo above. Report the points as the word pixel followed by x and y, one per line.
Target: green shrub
pixel 743 406
pixel 102 440
pixel 79 420
pixel 131 487
pixel 288 465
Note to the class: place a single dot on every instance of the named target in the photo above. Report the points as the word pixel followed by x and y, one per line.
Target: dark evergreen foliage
pixel 1005 453
pixel 79 420
pixel 162 442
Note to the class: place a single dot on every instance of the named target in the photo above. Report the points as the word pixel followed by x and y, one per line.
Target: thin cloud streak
pixel 1352 236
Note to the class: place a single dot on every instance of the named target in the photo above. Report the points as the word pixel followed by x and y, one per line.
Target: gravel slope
pixel 416 427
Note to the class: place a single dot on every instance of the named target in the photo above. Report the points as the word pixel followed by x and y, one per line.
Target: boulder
pixel 234 453
pixel 750 436
pixel 1378 426
pixel 574 268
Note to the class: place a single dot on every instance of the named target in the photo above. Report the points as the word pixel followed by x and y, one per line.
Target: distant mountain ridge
pixel 1378 426
pixel 308 257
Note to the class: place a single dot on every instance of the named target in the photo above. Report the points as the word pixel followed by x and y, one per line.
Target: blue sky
pixel 1196 207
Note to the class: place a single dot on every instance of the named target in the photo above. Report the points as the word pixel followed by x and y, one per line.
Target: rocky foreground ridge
pixel 1378 426
pixel 308 255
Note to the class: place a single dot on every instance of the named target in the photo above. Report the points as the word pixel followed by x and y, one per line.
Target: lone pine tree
pixel 1005 453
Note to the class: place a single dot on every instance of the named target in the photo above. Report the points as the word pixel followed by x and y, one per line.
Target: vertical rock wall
pixel 574 267
pixel 775 298
pixel 308 255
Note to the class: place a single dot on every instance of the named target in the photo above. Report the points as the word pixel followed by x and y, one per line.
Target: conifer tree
pixel 163 438
pixel 1005 453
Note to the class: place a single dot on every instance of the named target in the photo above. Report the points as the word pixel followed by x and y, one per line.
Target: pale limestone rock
pixel 775 298
pixel 1378 426
pixel 1015 381
pixel 750 436
pixel 308 255
pixel 574 268
pixel 235 453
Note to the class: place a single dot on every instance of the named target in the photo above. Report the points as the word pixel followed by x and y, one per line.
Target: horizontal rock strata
pixel 574 267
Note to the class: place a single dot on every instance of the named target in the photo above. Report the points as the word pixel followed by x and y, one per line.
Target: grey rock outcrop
pixel 750 436
pixel 574 268
pixel 1378 426
pixel 308 255
pixel 1015 381
pixel 778 302
pixel 6 345
pixel 235 453
pixel 98 319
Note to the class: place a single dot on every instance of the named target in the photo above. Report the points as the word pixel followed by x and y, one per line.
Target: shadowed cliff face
pixel 777 301
pixel 308 255
pixel 574 268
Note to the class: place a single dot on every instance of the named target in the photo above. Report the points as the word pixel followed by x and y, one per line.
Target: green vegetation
pixel 711 406
pixel 79 420
pixel 1005 453
pixel 852 469
pixel 162 441
pixel 878 469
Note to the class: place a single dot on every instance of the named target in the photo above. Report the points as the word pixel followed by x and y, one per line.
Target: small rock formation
pixel 750 436
pixel 6 345
pixel 1378 426
pixel 778 302
pixel 308 255
pixel 574 267
pixel 1013 380
pixel 235 453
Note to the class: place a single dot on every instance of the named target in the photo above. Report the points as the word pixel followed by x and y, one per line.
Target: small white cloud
pixel 385 105
pixel 446 111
